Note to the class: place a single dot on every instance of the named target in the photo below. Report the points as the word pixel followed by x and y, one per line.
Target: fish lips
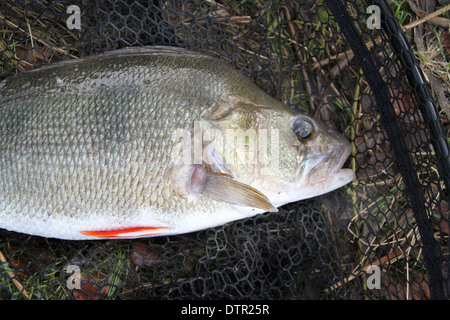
pixel 329 166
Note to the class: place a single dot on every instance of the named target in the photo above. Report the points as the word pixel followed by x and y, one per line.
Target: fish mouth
pixel 345 153
pixel 331 165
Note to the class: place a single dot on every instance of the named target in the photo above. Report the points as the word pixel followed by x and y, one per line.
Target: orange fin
pixel 133 232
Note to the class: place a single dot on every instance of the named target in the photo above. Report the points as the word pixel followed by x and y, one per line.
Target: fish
pixel 153 141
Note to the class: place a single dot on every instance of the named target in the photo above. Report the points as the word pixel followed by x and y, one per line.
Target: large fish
pixel 152 141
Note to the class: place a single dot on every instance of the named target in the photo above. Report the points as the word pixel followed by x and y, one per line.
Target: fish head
pixel 310 158
pixel 286 155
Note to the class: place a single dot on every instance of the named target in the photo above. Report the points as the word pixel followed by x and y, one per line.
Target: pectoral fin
pixel 222 187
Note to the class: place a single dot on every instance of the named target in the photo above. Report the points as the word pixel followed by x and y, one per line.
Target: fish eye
pixel 304 129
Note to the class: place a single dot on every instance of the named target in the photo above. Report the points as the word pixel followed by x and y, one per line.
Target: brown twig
pixel 14 278
pixel 426 18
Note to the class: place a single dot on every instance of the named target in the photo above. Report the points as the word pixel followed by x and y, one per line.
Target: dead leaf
pixel 440 21
pixel 399 288
pixel 445 40
pixel 93 287
pixel 427 5
pixel 405 107
pixel 144 256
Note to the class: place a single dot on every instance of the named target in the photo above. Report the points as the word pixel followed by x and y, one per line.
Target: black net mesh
pixel 393 217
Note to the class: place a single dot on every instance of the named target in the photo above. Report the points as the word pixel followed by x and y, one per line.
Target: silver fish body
pixel 105 147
